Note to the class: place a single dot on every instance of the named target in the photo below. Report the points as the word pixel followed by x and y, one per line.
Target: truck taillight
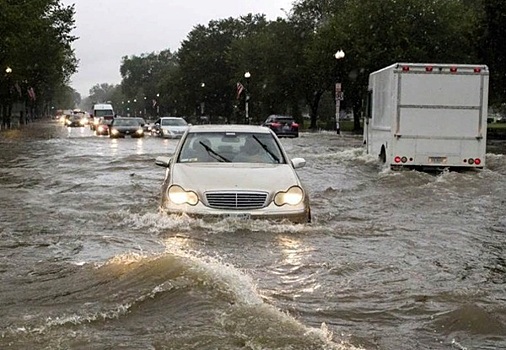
pixel 429 68
pixel 403 159
pixel 471 161
pixel 475 161
pixel 405 68
pixel 477 70
pixel 453 69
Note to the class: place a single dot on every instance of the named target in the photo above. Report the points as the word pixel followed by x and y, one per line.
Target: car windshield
pixel 231 147
pixel 103 112
pixel 126 122
pixel 174 122
pixel 284 120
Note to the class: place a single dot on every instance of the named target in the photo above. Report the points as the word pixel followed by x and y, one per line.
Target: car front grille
pixel 236 200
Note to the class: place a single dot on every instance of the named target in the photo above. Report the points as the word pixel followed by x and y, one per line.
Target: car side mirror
pixel 298 163
pixel 163 161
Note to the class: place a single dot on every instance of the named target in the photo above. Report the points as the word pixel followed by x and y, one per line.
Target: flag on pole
pixel 240 89
pixel 31 93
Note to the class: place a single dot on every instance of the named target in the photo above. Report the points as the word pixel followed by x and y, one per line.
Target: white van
pixel 101 110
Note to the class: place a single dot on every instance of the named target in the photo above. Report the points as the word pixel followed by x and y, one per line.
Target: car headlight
pixel 178 195
pixel 114 132
pixel 140 131
pixel 293 196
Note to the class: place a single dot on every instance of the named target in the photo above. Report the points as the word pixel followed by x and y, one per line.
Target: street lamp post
pixel 158 105
pixel 203 102
pixel 247 76
pixel 339 92
pixel 6 119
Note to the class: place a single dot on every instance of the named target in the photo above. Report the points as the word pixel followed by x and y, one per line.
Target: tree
pixel 35 43
pixel 275 82
pixel 205 58
pixel 493 48
pixel 375 34
pixel 144 75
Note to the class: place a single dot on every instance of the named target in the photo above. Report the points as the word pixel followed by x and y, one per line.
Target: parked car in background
pixel 122 127
pixel 103 124
pixel 170 127
pixel 282 125
pixel 238 171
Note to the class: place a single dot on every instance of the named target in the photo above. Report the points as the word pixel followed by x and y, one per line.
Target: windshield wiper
pixel 264 146
pixel 214 153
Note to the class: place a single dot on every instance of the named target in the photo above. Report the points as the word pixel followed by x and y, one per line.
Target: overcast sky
pixel 111 29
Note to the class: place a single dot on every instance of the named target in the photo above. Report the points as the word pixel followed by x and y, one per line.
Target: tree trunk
pixel 357 114
pixel 313 103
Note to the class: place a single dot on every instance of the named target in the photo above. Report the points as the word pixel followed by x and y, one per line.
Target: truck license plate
pixel 438 160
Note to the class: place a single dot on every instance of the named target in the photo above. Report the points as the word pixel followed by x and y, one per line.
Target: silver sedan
pixel 238 171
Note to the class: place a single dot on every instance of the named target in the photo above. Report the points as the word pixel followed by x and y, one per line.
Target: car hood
pixel 126 127
pixel 248 177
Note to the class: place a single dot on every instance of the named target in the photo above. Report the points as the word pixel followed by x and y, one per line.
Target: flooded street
pixel 392 260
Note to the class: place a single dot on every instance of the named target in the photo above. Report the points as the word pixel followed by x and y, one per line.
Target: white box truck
pixel 101 110
pixel 422 115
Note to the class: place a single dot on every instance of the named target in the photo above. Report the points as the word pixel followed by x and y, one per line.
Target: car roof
pixel 229 128
pixel 171 118
pixel 279 116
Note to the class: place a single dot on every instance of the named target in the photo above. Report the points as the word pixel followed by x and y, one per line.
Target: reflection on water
pixel 292 251
pixel 114 147
pixel 140 146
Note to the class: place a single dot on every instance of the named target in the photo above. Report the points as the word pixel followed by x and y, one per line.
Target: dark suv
pixel 282 125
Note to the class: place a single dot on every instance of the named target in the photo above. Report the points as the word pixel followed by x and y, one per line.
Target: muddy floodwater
pixel 392 260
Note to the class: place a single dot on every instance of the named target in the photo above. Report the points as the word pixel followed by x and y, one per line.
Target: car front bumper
pixel 296 214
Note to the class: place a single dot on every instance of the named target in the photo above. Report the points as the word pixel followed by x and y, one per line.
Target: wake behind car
pixel 122 127
pixel 170 127
pixel 282 125
pixel 238 171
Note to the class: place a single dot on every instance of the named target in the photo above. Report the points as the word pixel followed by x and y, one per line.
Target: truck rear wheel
pixel 383 155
